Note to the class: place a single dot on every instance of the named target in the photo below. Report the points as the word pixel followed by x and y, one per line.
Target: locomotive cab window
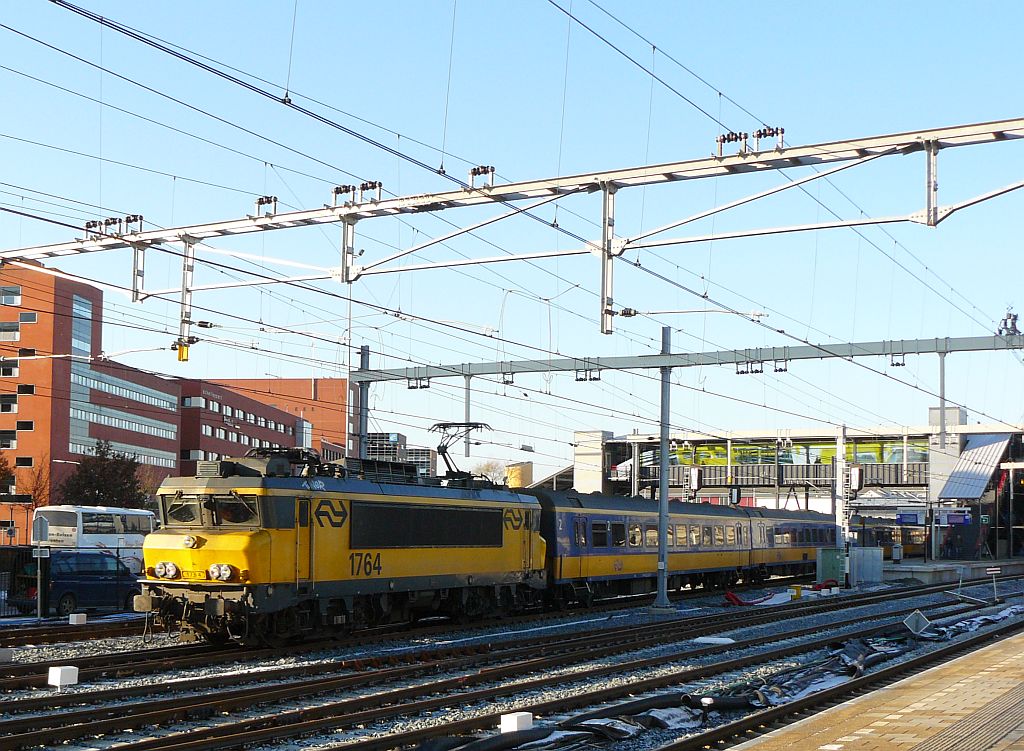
pixel 599 534
pixel 181 510
pixel 618 534
pixel 235 510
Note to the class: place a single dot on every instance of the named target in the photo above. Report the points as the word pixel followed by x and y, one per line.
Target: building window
pixel 27 318
pixel 250 418
pixel 207 430
pixel 244 439
pixel 193 401
pixel 8 403
pixel 233 437
pixel 24 425
pixel 26 388
pixel 291 431
pixel 10 332
pixel 10 295
pixel 8 371
pixel 227 411
pixel 8 439
pixel 221 434
pixel 23 461
pixel 191 455
pixel 261 421
pixel 26 352
pixel 214 406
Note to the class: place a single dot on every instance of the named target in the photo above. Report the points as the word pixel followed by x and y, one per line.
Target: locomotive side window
pixel 618 534
pixel 650 536
pixel 719 536
pixel 303 512
pixel 278 512
pixel 599 534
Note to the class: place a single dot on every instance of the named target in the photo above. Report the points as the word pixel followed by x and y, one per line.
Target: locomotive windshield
pixel 235 510
pixel 209 510
pixel 181 510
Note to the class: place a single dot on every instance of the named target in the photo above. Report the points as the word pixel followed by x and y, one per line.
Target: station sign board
pixel 953 516
pixel 914 516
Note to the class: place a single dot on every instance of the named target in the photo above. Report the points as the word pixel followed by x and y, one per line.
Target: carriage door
pixel 581 547
pixel 303 546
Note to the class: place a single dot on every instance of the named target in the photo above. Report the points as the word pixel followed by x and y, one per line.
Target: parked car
pixel 78 580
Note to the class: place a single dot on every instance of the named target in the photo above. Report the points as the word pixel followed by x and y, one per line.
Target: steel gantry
pixel 367 202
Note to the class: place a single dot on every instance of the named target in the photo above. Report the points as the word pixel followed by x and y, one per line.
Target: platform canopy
pixel 978 462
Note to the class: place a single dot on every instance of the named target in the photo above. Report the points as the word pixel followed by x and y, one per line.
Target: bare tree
pixel 492 469
pixel 38 485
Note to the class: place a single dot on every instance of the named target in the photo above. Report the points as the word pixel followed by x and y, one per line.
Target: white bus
pixel 118 530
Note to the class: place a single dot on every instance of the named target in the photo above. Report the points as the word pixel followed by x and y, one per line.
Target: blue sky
pixel 536 95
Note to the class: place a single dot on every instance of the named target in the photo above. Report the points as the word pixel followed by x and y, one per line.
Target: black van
pixel 78 580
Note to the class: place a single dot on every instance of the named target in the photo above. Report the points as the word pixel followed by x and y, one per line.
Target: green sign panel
pixel 984 518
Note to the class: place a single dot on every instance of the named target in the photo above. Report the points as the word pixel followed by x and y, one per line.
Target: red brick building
pixel 58 397
pixel 218 422
pixel 321 402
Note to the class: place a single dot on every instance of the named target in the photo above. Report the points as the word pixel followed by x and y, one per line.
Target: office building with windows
pixel 322 403
pixel 217 422
pixel 58 397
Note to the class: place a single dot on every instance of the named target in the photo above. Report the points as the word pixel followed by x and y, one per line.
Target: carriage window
pixel 769 536
pixel 730 535
pixel 599 534
pixel 739 534
pixel 719 536
pixel 780 536
pixel 581 532
pixel 650 536
pixel 694 535
pixel 706 539
pixel 618 534
pixel 671 536
pixel 681 535
pixel 635 538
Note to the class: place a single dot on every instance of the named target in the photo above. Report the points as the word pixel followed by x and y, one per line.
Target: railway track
pixel 19 636
pixel 496 666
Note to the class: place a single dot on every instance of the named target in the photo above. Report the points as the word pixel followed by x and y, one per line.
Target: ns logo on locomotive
pixel 277 545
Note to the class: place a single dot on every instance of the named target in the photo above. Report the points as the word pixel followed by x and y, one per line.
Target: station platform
pixel 974 703
pixel 936 572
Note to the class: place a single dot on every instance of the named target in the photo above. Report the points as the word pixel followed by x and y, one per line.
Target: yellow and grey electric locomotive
pixel 250 551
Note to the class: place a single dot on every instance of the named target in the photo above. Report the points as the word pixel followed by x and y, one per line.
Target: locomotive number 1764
pixel 364 564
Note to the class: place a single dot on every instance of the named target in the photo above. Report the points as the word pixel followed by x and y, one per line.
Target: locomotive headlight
pixel 160 569
pixel 172 570
pixel 188 541
pixel 220 571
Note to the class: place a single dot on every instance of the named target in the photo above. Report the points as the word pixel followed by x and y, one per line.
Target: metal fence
pixel 786 475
